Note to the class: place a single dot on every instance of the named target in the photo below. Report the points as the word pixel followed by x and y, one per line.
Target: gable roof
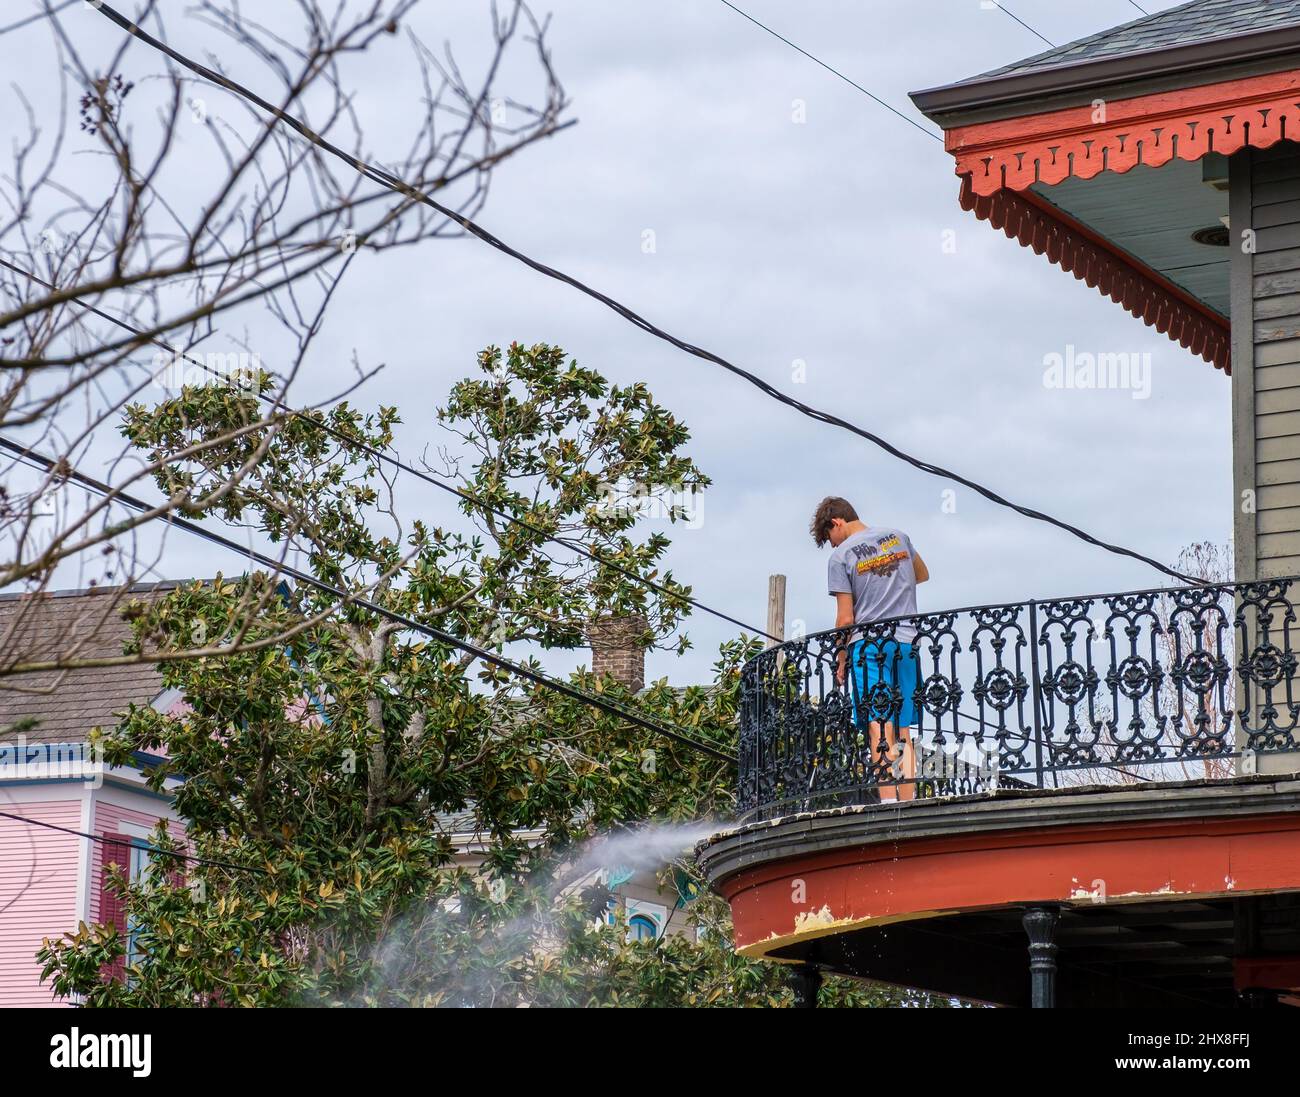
pixel 80 624
pixel 1199 21
pixel 1173 47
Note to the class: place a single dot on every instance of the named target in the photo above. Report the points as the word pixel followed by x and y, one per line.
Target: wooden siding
pixel 1264 196
pixel 1266 359
pixel 38 891
pixel 112 818
pixel 41 870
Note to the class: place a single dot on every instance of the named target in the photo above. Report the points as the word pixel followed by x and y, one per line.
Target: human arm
pixel 843 618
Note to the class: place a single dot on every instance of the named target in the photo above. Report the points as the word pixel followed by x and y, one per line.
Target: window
pixel 137 870
pixel 641 927
pixel 133 854
pixel 645 920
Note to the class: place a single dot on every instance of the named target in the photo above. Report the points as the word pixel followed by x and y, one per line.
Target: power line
pixel 1140 8
pixel 1022 23
pixel 66 472
pixel 398 463
pixel 380 455
pixel 836 72
pixel 853 83
pixel 395 184
pixel 190 858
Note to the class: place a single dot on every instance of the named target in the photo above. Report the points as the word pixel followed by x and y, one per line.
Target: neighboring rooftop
pixel 76 624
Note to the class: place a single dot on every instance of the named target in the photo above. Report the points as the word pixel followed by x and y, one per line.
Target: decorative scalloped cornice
pixel 1143 292
pixel 1016 153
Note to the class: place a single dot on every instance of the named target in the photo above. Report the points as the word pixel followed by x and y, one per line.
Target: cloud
pixel 778 241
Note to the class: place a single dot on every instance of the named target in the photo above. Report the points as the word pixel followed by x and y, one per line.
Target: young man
pixel 872 576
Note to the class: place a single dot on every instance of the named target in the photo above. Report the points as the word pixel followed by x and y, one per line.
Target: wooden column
pixel 775 609
pixel 1242 307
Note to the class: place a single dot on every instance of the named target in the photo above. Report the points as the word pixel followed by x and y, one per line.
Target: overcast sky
pixel 777 240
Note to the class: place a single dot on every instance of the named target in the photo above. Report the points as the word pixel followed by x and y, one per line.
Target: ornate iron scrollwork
pixel 1173 683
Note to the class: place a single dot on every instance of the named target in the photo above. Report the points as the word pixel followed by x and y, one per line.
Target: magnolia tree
pixel 320 770
pixel 158 230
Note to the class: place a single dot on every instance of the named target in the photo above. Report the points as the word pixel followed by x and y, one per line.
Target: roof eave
pixel 941 104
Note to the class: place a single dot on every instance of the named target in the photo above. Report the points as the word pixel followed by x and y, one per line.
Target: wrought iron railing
pixel 1168 684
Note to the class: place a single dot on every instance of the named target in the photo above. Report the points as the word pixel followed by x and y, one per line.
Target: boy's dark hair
pixel 828 510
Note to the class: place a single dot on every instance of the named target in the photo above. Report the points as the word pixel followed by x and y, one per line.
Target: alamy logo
pixel 21 760
pixel 637 500
pixel 173 370
pixel 1104 370
pixel 103 1051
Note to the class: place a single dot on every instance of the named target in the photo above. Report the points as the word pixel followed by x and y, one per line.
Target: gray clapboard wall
pixel 1265 198
pixel 1264 215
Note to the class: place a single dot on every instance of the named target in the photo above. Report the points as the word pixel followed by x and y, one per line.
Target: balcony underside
pixel 1170 954
pixel 1167 892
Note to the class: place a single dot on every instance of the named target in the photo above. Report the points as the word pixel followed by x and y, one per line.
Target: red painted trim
pixel 1266 973
pixel 1117 136
pixel 112 910
pixel 841 890
pixel 1073 247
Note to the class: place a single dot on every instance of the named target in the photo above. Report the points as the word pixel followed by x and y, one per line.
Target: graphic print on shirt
pixel 881 557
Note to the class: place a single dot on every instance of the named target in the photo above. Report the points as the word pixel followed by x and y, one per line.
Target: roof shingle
pixel 84 624
pixel 1198 21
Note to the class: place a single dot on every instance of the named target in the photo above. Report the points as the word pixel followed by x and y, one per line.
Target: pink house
pixel 52 877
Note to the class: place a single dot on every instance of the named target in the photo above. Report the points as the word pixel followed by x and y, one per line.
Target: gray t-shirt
pixel 876 567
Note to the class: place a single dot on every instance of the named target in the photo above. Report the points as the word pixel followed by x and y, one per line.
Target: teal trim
pixel 641 927
pixel 137 789
pixel 142 758
pixel 108 780
pixel 29 781
pixel 619 874
pixel 140 791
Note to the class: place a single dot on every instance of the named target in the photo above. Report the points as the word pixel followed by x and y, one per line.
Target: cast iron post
pixel 807 981
pixel 1040 925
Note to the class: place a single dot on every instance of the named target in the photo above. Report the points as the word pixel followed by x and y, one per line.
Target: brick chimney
pixel 617 649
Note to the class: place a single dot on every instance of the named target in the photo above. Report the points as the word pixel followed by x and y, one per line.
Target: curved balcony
pixel 1171 684
pixel 1110 779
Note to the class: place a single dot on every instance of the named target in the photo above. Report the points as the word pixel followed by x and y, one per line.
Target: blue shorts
pixel 880 672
